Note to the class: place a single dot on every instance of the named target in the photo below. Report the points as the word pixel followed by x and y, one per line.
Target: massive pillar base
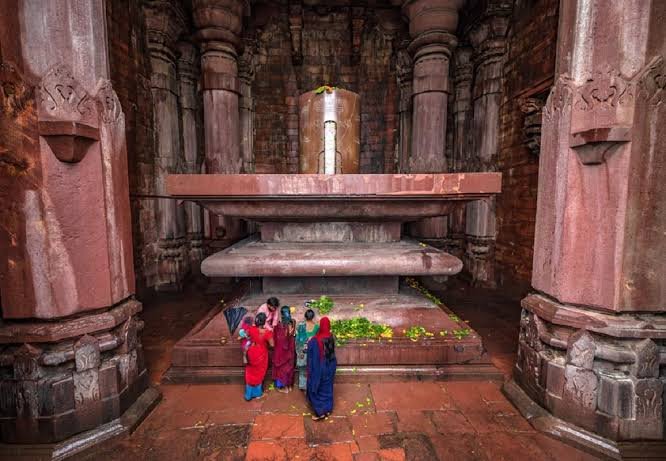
pixel 599 378
pixel 64 379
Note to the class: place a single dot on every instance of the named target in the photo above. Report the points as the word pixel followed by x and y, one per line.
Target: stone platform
pixel 209 353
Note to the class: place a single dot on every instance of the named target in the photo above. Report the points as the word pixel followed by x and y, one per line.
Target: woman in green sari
pixel 304 331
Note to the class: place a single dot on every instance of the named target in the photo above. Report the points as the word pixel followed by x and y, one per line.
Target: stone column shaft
pixel 164 23
pixel 189 111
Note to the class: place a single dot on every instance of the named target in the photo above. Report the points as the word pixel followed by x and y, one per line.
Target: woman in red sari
pixel 257 358
pixel 284 354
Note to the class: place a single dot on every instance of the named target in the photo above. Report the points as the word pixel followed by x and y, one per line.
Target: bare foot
pixel 284 390
pixel 260 397
pixel 318 418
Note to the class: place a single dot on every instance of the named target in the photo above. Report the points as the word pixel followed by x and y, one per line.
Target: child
pixel 244 336
pixel 270 308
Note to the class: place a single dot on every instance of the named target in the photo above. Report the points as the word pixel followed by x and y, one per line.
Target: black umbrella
pixel 234 315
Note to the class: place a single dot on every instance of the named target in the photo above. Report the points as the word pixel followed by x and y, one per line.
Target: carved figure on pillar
pixel 246 69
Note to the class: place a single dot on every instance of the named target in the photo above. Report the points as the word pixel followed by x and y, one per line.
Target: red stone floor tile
pixel 392 454
pixel 483 420
pixel 451 422
pixel 277 426
pixel 459 447
pixel 372 424
pixel 265 451
pixel 335 452
pixel 502 446
pixel 415 421
pixel 367 443
pixel 334 429
pixel 410 395
pixel 230 417
pixel 218 397
pixel 416 446
pixel 367 456
pixel 353 398
pixel 293 403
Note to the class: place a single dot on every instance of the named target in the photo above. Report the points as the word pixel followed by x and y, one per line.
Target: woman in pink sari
pixel 284 353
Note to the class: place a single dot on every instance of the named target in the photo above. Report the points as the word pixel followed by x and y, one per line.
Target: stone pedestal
pixel 70 356
pixel 338 235
pixel 592 338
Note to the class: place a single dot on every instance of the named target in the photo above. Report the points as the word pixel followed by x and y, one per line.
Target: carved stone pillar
pixel 164 23
pixel 488 40
pixel 404 76
pixel 188 76
pixel 70 358
pixel 432 25
pixel 462 108
pixel 246 68
pixel 591 346
pixel 219 24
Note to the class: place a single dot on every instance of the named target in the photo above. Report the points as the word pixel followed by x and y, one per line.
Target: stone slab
pixel 253 258
pixel 446 185
pixel 210 347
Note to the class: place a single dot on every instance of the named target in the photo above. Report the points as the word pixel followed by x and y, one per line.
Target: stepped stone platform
pixel 210 353
pixel 339 235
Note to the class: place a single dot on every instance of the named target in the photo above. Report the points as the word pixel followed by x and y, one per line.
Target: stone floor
pixel 377 421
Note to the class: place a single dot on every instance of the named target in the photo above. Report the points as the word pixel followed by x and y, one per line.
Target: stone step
pixel 254 258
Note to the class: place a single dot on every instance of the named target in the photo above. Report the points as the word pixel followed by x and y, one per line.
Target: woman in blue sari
pixel 321 370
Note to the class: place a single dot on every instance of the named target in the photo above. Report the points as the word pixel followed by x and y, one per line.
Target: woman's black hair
pixel 329 347
pixel 309 314
pixel 260 319
pixel 273 302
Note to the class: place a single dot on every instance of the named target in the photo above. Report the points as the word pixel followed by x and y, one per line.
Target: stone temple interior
pixel 482 177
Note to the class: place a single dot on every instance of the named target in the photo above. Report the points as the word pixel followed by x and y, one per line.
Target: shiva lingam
pixel 332 231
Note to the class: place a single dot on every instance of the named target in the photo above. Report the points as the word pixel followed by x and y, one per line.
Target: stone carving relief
pixel 648 399
pixel 604 90
pixel 581 350
pixel 86 387
pixel 560 97
pixel 62 97
pixel 109 104
pixel 532 108
pixel 86 353
pixel 652 81
pixel 581 386
pixel 14 93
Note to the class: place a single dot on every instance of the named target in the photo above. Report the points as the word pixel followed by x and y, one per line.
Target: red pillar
pixel 70 355
pixel 592 335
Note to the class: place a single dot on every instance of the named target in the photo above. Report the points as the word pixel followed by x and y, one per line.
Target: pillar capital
pixel 219 21
pixel 165 22
pixel 431 16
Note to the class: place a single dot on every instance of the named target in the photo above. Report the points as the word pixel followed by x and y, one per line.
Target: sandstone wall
pixel 528 74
